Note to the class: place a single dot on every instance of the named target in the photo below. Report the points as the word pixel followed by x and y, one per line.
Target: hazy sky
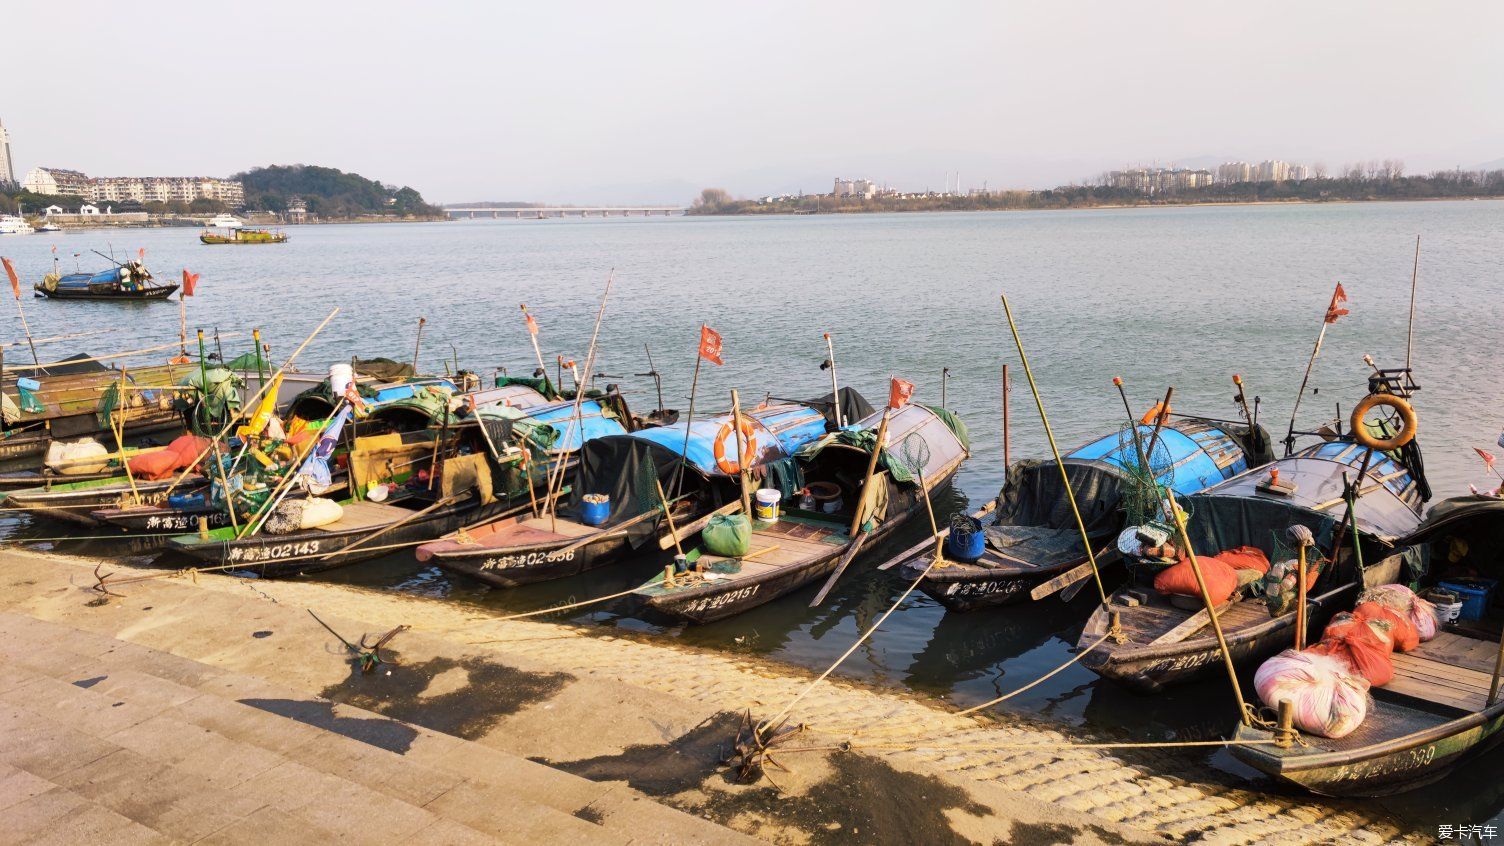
pixel 612 101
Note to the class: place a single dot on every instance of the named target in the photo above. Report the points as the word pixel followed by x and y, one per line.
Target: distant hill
pixel 330 193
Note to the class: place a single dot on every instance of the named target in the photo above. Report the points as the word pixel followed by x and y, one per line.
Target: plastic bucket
pixel 767 504
pixel 965 545
pixel 340 377
pixel 1476 595
pixel 1447 612
pixel 595 509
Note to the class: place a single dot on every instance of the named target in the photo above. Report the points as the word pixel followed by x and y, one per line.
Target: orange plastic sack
pixel 1180 580
pixel 1356 643
pixel 1401 631
pixel 1245 558
pixel 162 463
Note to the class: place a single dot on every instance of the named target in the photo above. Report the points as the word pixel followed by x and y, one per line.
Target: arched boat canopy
pixel 780 430
pixel 1388 507
pixel 553 425
pixel 1200 453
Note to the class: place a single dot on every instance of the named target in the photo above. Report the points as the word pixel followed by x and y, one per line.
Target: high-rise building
pixel 7 167
pixel 1232 172
pixel 140 189
pixel 57 181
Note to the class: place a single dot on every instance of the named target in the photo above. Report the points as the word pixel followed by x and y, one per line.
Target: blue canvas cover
pixel 569 434
pixel 780 431
pixel 1199 458
pixel 392 393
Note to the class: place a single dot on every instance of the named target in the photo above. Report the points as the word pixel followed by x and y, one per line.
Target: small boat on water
pixel 924 449
pixel 130 281
pixel 1033 539
pixel 241 235
pixel 49 227
pixel 1153 641
pixel 1444 704
pixel 627 468
pixel 75 501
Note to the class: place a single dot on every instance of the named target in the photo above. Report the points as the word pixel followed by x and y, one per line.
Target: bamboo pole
pixel 15 282
pixel 126 354
pixel 673 532
pixel 250 403
pixel 1007 460
pixel 1493 686
pixel 741 459
pixel 418 344
pixel 835 389
pixel 532 333
pixel 877 449
pixel 1410 328
pixel 1178 517
pixel 575 422
pixel 119 431
pixel 1310 363
pixel 1059 462
pixel 689 421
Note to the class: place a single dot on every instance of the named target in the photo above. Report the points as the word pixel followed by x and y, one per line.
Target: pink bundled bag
pixel 1328 700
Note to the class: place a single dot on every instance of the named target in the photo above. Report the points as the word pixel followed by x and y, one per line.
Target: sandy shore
pixel 660 717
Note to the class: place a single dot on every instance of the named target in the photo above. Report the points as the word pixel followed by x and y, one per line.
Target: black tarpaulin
pixel 854 406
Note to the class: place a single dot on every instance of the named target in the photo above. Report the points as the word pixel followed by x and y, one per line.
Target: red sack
pixel 1401 630
pixel 1355 642
pixel 162 463
pixel 1245 558
pixel 1180 580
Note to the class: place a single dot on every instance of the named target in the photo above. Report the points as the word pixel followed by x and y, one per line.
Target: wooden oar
pixel 614 531
pixel 851 551
pixel 1187 627
pixel 1064 580
pixel 685 531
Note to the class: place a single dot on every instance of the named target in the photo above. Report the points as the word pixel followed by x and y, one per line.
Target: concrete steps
pixel 103 740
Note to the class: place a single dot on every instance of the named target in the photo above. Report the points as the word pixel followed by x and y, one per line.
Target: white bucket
pixel 340 377
pixel 1447 612
pixel 767 504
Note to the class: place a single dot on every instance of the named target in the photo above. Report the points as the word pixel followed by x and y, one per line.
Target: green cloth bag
pixel 728 535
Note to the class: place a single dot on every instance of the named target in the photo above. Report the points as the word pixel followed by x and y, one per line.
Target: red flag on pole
pixel 1488 457
pixel 15 281
pixel 532 325
pixel 1335 309
pixel 710 345
pixel 141 254
pixel 899 392
pixel 190 281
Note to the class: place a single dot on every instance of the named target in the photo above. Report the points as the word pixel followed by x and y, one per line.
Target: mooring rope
pixel 782 715
pixel 542 611
pixel 1005 697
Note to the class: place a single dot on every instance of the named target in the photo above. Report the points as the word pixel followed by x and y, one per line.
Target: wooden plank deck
pixel 365 515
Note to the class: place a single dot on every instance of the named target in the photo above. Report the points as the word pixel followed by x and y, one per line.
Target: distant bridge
pixel 564 211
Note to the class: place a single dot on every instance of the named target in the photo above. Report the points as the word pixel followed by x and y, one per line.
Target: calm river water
pixel 1175 296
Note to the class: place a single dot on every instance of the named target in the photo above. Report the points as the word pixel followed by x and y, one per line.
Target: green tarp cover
pixel 249 362
pixel 542 385
pixel 384 369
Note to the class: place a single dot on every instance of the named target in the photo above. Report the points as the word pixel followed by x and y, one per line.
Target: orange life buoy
pixel 728 463
pixel 1405 435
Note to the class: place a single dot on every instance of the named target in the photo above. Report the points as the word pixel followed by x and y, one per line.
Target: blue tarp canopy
pixel 779 431
pixel 569 434
pixel 1197 458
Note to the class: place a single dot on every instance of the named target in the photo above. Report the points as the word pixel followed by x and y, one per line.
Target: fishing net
pixel 1148 471
pixel 914 454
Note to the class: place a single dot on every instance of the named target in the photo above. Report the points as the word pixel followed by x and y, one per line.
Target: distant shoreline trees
pixel 330 193
pixel 1378 180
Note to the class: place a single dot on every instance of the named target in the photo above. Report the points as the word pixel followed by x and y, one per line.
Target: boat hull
pixel 710 602
pixel 153 519
pixel 77 506
pixel 281 556
pixel 516 566
pixel 1151 669
pixel 142 295
pixel 1382 769
pixel 969 588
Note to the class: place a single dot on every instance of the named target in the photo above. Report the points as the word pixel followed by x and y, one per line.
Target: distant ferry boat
pixel 49 227
pixel 226 221
pixel 242 236
pixel 12 225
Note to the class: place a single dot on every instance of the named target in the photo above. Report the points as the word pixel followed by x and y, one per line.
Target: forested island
pixel 330 193
pixel 1347 188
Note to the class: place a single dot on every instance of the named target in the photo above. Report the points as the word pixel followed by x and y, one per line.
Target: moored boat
pixel 1443 705
pixel 1150 641
pixel 924 448
pixel 242 236
pixel 1032 539
pixel 626 467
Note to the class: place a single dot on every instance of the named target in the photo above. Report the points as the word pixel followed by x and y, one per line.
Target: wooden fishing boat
pixel 802 547
pixel 1153 642
pixel 127 282
pixel 75 501
pixel 405 487
pixel 628 468
pixel 242 236
pixel 68 402
pixel 1033 542
pixel 1443 705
